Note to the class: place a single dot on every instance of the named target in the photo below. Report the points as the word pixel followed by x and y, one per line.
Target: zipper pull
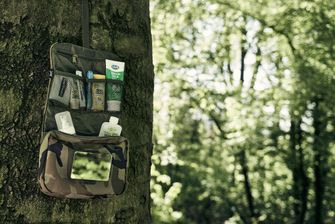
pixel 75 59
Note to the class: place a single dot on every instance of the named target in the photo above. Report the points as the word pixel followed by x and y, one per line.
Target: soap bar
pixel 64 122
pixel 61 89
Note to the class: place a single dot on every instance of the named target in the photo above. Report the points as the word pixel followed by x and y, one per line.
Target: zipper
pixel 80 56
pixel 51 75
pixel 87 138
pixel 68 74
pixel 112 113
pixel 74 58
pixel 51 61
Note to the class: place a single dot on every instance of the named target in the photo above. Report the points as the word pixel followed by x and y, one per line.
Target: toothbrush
pixel 89 75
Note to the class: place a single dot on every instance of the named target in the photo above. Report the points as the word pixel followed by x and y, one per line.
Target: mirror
pixel 91 166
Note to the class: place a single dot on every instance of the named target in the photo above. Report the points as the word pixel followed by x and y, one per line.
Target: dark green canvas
pixel 65 59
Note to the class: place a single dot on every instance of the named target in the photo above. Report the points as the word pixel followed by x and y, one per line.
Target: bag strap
pixel 85 23
pixel 121 161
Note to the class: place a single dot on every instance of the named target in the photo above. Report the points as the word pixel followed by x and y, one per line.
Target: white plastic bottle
pixel 110 128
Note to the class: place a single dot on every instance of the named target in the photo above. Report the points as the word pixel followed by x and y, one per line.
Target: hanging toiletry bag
pixel 80 165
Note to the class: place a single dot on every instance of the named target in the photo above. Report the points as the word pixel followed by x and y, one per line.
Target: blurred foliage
pixel 244 111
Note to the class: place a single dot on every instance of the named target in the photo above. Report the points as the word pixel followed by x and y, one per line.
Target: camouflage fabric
pixel 56 157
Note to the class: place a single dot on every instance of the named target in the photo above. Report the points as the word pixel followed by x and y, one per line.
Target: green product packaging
pixel 114 71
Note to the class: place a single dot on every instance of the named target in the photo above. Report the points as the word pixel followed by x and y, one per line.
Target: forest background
pixel 244 111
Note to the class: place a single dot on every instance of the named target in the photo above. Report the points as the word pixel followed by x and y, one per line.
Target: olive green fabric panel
pixel 85 123
pixel 65 59
pixel 69 58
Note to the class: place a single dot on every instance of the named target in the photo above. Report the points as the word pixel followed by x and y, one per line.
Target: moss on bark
pixel 27 29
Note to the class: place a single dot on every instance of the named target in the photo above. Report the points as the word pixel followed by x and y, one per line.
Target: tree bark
pixel 27 29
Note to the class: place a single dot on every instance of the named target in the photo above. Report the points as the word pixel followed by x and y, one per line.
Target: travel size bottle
pixel 110 128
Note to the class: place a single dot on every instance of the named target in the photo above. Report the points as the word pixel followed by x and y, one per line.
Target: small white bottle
pixel 110 128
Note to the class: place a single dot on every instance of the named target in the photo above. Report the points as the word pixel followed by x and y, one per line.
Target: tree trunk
pixel 27 29
pixel 243 53
pixel 242 154
pixel 300 178
pixel 304 178
pixel 320 145
pixel 247 185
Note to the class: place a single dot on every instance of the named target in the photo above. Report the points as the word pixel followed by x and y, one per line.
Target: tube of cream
pixel 114 71
pixel 98 94
pixel 82 103
pixel 74 98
